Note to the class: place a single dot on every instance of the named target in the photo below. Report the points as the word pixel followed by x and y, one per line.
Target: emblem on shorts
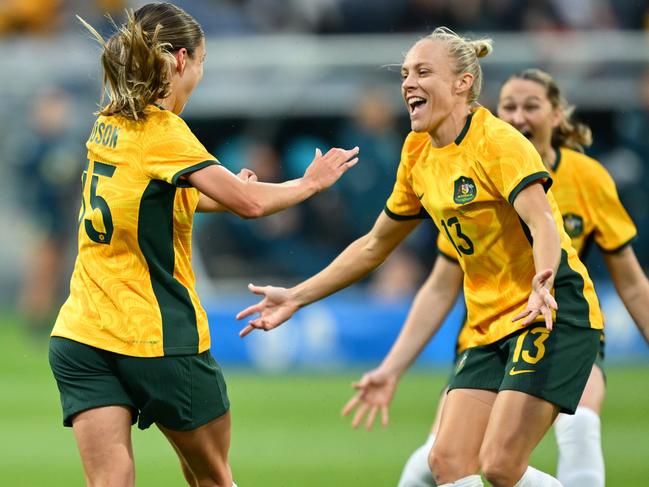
pixel 464 191
pixel 513 371
pixel 574 224
pixel 460 363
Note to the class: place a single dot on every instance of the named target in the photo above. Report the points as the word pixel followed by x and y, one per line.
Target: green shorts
pixel 178 392
pixel 551 365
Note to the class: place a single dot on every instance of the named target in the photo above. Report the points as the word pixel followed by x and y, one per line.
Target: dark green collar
pixel 557 159
pixel 465 129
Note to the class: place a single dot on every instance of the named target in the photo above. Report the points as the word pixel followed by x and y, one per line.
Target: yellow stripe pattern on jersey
pixel 133 289
pixel 468 189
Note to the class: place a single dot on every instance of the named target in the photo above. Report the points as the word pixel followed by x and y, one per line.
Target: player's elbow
pixel 250 210
pixel 372 252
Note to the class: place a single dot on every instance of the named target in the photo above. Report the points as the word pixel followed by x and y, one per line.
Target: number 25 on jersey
pixel 100 170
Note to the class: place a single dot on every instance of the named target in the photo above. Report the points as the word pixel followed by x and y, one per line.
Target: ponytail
pixel 138 59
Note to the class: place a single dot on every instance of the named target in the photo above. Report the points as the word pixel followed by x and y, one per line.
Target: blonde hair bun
pixel 482 47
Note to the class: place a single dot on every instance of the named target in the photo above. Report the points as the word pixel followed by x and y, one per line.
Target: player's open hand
pixel 541 300
pixel 375 391
pixel 274 309
pixel 326 170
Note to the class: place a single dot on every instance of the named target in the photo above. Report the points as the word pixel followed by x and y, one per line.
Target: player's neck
pixel 548 156
pixel 450 127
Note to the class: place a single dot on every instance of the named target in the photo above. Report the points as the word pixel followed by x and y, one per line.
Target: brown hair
pixel 466 53
pixel 137 59
pixel 574 135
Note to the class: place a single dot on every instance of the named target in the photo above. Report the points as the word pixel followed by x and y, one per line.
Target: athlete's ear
pixel 463 83
pixel 181 60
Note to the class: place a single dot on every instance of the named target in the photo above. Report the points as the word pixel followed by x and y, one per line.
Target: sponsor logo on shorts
pixel 513 371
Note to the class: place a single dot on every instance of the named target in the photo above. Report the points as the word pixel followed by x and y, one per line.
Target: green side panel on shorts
pixel 568 292
pixel 155 237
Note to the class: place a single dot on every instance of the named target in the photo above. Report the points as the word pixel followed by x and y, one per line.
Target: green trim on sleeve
pixel 621 247
pixel 422 215
pixel 526 181
pixel 183 184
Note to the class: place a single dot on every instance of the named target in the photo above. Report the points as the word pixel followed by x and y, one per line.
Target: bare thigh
pixel 518 422
pixel 464 418
pixel 595 390
pixel 104 440
pixel 434 429
pixel 204 451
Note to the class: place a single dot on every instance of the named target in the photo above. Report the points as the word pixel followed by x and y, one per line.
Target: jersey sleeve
pixel 445 248
pixel 172 152
pixel 403 203
pixel 513 164
pixel 614 228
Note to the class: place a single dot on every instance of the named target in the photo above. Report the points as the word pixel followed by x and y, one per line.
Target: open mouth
pixel 527 134
pixel 415 104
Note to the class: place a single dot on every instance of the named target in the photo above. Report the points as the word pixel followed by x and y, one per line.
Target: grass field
pixel 286 429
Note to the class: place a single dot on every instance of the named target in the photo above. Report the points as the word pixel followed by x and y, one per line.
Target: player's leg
pixel 472 391
pixel 205 451
pixel 416 472
pixel 187 473
pixel 581 462
pixel 518 422
pixel 104 440
pixel 186 397
pixel 546 373
pixel 98 408
pixel 455 453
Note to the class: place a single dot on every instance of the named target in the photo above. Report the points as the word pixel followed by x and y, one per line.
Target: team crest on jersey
pixel 465 190
pixel 574 224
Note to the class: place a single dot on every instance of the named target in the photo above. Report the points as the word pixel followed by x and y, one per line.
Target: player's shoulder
pixel 413 147
pixel 493 138
pixel 415 142
pixel 159 119
pixel 581 163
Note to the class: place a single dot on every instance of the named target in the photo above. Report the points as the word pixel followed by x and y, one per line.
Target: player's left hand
pixel 274 309
pixel 540 301
pixel 375 392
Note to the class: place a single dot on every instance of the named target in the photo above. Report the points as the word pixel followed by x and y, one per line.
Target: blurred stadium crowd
pixel 41 146
pixel 227 17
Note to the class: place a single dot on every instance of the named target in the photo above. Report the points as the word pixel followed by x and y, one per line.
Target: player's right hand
pixel 274 309
pixel 375 392
pixel 326 170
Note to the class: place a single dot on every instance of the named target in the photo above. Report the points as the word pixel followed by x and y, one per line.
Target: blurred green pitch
pixel 286 428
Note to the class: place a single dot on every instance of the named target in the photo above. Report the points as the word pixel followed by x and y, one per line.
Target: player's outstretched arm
pixel 253 199
pixel 533 207
pixel 632 286
pixel 429 309
pixel 360 258
pixel 208 205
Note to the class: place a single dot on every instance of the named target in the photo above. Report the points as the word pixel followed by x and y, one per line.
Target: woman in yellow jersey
pixel 482 183
pixel 131 343
pixel 532 102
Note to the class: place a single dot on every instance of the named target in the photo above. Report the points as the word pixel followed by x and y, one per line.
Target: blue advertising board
pixel 352 328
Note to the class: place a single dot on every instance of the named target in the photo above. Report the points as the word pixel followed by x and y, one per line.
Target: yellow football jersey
pixel 468 188
pixel 589 203
pixel 133 289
